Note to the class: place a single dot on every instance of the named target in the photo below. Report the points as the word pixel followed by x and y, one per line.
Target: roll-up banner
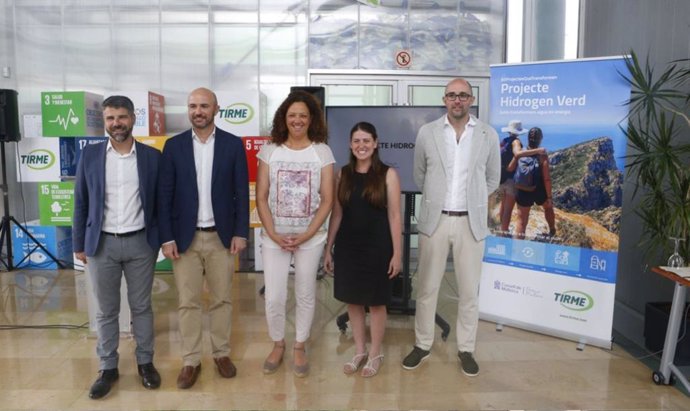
pixel 552 269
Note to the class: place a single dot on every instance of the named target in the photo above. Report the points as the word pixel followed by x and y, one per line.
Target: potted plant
pixel 658 159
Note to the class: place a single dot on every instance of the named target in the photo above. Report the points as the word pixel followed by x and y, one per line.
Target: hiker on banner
pixel 533 184
pixel 511 146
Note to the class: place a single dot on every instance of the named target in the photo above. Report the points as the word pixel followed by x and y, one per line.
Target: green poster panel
pixel 71 113
pixel 56 203
pixel 164 265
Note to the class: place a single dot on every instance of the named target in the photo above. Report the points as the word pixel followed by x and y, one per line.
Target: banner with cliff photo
pixel 550 263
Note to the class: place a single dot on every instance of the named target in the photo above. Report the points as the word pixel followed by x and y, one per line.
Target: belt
pixel 454 213
pixel 127 234
pixel 211 229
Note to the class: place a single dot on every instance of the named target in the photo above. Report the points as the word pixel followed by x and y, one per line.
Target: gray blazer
pixel 430 165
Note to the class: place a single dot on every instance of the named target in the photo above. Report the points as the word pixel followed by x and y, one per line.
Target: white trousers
pixel 452 233
pixel 276 270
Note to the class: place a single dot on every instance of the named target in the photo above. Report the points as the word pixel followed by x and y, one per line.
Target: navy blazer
pixel 89 195
pixel 178 194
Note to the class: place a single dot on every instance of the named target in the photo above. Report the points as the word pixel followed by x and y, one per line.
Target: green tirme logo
pixel 574 300
pixel 238 113
pixel 38 159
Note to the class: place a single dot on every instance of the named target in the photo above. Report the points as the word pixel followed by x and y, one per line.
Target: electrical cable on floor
pixel 656 353
pixel 685 329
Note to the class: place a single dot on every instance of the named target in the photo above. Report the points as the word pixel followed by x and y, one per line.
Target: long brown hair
pixel 534 137
pixel 374 181
pixel 317 133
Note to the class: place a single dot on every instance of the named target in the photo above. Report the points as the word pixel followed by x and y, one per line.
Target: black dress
pixel 362 251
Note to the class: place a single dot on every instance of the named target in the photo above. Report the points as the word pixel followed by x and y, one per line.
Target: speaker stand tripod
pixel 6 226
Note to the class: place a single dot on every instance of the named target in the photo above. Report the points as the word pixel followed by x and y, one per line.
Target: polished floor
pixel 48 362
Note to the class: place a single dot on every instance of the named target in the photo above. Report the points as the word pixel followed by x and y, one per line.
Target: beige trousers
pixel 452 233
pixel 206 258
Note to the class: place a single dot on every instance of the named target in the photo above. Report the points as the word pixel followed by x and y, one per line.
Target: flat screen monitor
pixel 396 127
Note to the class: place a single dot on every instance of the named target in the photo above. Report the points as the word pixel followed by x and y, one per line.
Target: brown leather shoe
pixel 188 376
pixel 225 367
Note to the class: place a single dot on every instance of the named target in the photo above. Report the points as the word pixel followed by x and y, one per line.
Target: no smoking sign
pixel 403 58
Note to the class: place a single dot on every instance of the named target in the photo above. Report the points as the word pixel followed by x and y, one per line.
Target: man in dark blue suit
pixel 115 231
pixel 204 224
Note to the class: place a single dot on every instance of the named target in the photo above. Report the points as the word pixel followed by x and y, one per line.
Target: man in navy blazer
pixel 204 223
pixel 115 232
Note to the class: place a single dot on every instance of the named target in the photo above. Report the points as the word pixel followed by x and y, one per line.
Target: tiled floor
pixel 52 368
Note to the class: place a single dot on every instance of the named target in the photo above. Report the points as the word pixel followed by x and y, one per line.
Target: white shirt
pixel 294 188
pixel 203 162
pixel 459 155
pixel 123 212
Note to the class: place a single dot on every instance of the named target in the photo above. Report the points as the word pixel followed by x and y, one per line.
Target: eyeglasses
pixel 462 96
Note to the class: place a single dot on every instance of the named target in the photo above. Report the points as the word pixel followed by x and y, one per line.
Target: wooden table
pixel 666 368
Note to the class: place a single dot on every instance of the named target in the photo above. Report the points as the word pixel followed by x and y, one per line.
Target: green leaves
pixel 649 91
pixel 658 161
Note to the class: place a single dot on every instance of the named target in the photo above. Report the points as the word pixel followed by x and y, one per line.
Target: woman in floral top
pixel 294 196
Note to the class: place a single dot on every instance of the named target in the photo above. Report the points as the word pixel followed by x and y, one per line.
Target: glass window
pixel 38 12
pixel 136 62
pixel 184 11
pixel 382 34
pixel 87 63
pixel 432 95
pixel 283 61
pixel 135 12
pixel 432 28
pixel 80 14
pixel 39 64
pixel 184 67
pixel 358 95
pixel 282 12
pixel 426 95
pixel 244 12
pixel 235 56
pixel 481 33
pixel 333 34
pixel 143 4
pixel 173 46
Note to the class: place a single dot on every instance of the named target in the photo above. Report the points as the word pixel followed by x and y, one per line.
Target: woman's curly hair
pixel 318 131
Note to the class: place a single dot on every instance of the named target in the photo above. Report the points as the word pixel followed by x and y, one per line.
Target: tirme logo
pixel 238 113
pixel 38 159
pixel 574 300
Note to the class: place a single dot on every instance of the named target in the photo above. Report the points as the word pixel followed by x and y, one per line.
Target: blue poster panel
pixel 555 219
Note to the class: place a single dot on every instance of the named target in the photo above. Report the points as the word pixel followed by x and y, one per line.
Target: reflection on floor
pixel 54 367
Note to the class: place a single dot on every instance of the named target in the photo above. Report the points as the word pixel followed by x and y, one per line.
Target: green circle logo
pixel 575 300
pixel 238 113
pixel 39 159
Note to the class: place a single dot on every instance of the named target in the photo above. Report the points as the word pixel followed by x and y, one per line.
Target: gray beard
pixel 119 138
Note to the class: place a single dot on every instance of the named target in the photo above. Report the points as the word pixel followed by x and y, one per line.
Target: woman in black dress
pixel 364 243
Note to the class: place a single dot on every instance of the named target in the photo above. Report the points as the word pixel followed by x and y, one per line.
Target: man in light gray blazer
pixel 456 166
